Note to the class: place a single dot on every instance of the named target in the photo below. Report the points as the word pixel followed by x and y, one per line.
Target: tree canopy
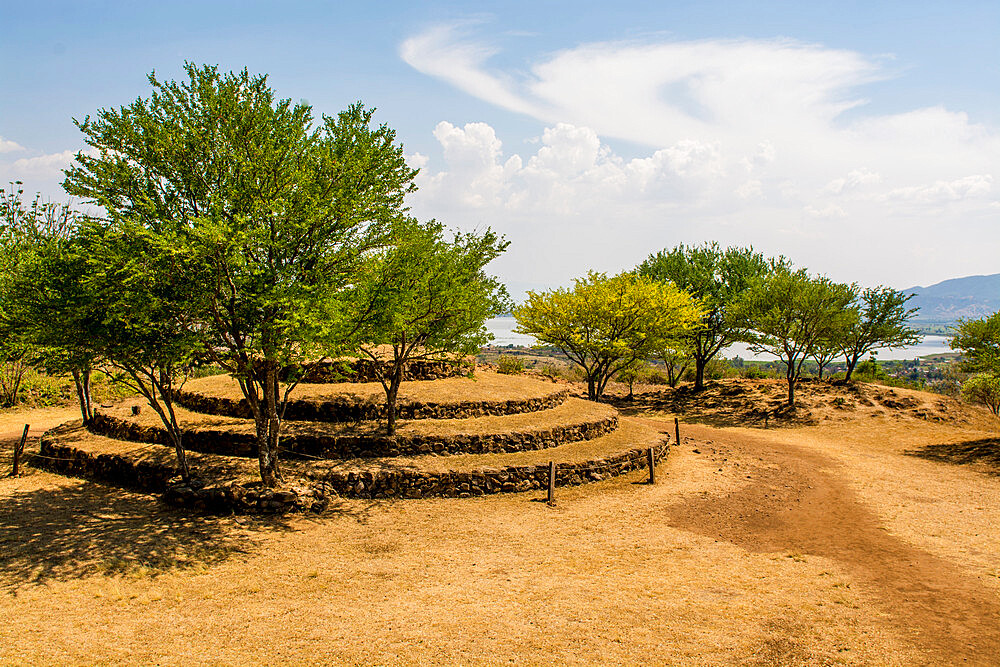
pixel 717 278
pixel 880 321
pixel 979 342
pixel 278 209
pixel 983 388
pixel 425 296
pixel 790 314
pixel 606 324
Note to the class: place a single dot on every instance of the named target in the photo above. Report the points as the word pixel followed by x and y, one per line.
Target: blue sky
pixel 859 139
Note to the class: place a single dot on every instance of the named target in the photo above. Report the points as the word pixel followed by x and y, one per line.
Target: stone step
pixel 71 449
pixel 488 394
pixel 573 420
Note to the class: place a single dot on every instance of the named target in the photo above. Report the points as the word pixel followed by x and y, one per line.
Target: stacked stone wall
pixel 123 470
pixel 229 443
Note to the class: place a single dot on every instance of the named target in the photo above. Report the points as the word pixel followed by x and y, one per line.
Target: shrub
pixel 510 365
pixel 753 372
pixel 656 376
pixel 550 371
pixel 984 389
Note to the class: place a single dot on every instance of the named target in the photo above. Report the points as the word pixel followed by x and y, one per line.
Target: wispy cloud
pixel 749 141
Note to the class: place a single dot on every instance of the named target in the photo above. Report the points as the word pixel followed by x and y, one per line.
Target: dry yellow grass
pixel 572 411
pixel 486 385
pixel 725 561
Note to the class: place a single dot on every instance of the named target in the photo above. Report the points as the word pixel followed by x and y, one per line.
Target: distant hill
pixel 943 304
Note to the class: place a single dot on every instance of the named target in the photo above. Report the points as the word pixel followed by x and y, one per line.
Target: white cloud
pixel 43 166
pixel 970 187
pixel 857 178
pixel 8 146
pixel 748 143
pixel 830 211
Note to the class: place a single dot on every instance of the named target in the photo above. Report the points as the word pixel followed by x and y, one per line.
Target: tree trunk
pixel 182 462
pixel 591 388
pixel 88 402
pixel 699 373
pixel 819 375
pixel 851 363
pixel 791 391
pixel 268 428
pixel 78 381
pixel 390 400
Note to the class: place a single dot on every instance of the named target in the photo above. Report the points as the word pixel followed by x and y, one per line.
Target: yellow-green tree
pixel 606 324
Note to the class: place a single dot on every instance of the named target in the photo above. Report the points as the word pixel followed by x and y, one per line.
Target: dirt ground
pixel 850 534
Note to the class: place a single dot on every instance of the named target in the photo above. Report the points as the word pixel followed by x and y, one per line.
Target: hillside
pixel 944 303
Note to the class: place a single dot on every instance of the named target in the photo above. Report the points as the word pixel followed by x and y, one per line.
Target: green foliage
pixel 754 372
pixel 278 212
pixel 984 389
pixel 717 278
pixel 550 371
pixel 791 314
pixel 979 342
pixel 509 364
pixel 425 296
pixel 605 324
pixel 869 370
pixel 658 377
pixel 880 321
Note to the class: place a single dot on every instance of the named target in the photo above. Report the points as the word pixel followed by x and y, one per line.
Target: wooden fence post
pixel 677 432
pixel 651 459
pixel 552 482
pixel 18 451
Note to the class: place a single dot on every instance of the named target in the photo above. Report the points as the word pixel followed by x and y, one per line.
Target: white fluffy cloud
pixel 8 146
pixel 748 143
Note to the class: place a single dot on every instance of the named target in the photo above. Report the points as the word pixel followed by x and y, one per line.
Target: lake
pixel 502 329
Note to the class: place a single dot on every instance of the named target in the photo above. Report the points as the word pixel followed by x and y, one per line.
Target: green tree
pixel 426 297
pixel 278 208
pixel 676 360
pixel 604 324
pixel 43 300
pixel 147 336
pixel 717 278
pixel 880 321
pixel 790 314
pixel 634 372
pixel 983 388
pixel 979 342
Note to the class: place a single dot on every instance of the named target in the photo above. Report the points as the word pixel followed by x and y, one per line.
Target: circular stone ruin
pixel 456 437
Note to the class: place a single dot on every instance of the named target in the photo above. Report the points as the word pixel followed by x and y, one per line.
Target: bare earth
pixel 859 536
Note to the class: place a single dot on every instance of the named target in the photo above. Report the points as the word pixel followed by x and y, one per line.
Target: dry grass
pixel 486 385
pixel 572 411
pixel 600 579
pixel 823 544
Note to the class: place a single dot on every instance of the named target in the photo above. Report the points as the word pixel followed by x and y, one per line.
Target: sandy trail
pixel 796 502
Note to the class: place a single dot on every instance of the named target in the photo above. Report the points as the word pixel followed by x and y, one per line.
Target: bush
pixel 550 371
pixel 983 389
pixel 510 365
pixel 753 372
pixel 656 376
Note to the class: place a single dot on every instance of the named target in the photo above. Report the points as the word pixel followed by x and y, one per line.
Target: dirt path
pixel 795 502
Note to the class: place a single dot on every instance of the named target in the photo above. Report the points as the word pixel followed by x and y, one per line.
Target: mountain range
pixel 943 304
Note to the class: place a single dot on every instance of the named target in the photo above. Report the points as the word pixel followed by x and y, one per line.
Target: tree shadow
pixel 718 405
pixel 77 528
pixel 984 453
